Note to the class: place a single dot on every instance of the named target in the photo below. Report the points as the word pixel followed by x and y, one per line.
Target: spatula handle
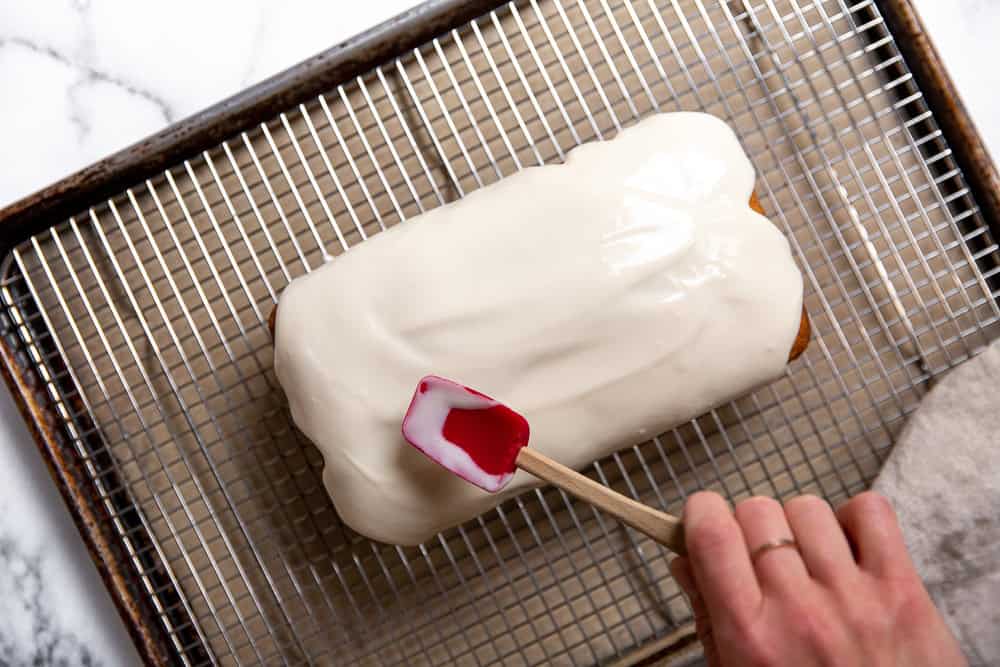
pixel 660 526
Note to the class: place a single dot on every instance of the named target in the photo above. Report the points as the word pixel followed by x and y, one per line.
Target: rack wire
pixel 146 319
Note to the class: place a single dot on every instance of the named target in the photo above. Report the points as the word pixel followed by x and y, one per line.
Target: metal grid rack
pixel 145 318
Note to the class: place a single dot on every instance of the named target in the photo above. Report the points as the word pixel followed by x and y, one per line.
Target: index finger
pixel 719 557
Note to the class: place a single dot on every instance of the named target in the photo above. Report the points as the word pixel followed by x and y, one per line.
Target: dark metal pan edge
pixel 85 507
pixel 943 99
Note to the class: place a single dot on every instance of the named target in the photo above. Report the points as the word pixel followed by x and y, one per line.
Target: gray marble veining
pixel 30 634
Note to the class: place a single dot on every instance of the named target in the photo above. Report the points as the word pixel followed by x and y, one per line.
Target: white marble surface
pixel 82 78
pixel 965 32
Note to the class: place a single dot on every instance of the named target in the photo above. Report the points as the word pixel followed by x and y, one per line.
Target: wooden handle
pixel 660 526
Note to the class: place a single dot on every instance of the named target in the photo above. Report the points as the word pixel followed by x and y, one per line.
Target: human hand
pixel 845 592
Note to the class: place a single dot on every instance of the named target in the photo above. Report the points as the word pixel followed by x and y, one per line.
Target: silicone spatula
pixel 484 442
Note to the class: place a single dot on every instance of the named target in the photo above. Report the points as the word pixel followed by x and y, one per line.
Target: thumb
pixel 680 568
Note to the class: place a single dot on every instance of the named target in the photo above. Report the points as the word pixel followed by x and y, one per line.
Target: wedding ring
pixel 774 544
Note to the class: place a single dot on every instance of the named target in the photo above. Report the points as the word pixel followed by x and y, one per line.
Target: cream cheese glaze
pixel 606 299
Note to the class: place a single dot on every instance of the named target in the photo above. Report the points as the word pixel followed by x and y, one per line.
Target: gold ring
pixel 774 544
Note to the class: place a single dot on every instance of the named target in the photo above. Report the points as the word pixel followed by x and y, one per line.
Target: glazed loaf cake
pixel 607 299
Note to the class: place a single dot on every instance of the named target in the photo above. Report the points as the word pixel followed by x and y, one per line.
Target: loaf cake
pixel 607 299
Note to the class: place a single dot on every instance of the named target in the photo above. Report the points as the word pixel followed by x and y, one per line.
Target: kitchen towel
pixel 943 478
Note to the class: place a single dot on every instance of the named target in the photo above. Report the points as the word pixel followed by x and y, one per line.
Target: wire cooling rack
pixel 144 322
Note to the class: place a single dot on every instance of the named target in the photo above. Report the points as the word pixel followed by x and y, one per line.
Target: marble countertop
pixel 82 78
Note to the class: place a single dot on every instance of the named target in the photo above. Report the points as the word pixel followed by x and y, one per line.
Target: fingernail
pixel 697 507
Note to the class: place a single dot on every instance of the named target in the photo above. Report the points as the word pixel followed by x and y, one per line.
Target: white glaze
pixel 606 299
pixel 424 429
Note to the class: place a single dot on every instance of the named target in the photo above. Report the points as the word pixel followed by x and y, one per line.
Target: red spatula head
pixel 465 431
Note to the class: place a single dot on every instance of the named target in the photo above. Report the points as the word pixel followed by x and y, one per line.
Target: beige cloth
pixel 943 478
